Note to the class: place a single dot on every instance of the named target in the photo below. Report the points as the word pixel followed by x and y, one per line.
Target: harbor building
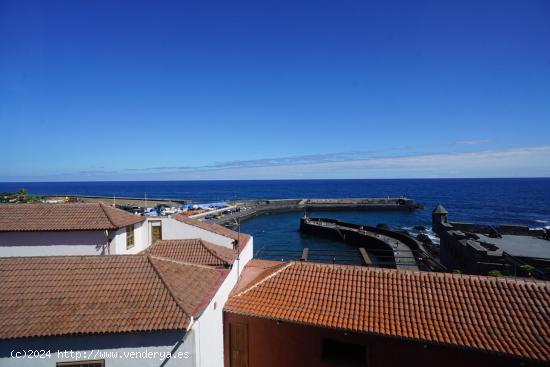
pixel 311 314
pixel 478 249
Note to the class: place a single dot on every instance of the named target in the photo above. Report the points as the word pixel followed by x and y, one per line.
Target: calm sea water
pixel 490 201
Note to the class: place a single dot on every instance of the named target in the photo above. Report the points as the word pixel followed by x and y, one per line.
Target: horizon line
pixel 294 179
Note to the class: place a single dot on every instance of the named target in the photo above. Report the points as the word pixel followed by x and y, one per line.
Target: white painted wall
pixel 141 242
pixel 208 328
pixel 115 349
pixel 53 243
pixel 173 229
pixel 246 254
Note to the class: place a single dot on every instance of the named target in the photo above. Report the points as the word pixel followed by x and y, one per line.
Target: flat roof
pixel 520 245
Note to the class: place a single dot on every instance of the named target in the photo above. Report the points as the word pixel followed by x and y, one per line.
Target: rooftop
pixel 195 251
pixel 528 246
pixel 63 217
pixel 215 228
pixel 47 296
pixel 500 315
pixel 440 209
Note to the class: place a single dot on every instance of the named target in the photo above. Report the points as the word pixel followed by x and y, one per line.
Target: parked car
pixel 151 212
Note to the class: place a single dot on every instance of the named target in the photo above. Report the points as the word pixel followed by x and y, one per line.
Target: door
pixel 238 341
pixel 156 231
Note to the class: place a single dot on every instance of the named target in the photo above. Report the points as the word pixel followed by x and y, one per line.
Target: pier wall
pixel 263 207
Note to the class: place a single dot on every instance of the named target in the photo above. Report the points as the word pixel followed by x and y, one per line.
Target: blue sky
pixel 128 90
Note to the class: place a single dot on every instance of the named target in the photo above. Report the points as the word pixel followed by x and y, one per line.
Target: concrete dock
pixel 375 241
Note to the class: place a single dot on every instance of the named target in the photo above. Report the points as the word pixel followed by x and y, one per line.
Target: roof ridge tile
pixel 168 287
pixel 108 215
pixel 206 245
pixel 265 279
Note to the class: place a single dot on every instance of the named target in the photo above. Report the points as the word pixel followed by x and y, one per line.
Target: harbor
pixel 253 208
pixel 377 246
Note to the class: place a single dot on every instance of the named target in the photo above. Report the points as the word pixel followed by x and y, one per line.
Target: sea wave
pixel 428 232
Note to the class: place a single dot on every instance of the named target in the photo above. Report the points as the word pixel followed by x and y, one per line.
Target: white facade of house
pixel 141 242
pixel 176 230
pixel 53 243
pixel 59 243
pixel 208 328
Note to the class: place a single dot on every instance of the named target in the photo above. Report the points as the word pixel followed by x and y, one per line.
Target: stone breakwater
pixel 253 208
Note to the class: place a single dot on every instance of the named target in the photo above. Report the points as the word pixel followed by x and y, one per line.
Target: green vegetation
pixel 494 273
pixel 530 270
pixel 21 196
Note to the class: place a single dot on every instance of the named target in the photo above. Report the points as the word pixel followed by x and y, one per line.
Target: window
pixel 129 237
pixel 344 354
pixel 156 231
pixel 95 363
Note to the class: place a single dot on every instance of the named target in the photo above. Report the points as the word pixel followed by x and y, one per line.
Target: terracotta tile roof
pixel 195 251
pixel 63 217
pixel 46 296
pixel 215 228
pixel 506 316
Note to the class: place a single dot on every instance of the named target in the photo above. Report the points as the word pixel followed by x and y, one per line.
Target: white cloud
pixel 511 162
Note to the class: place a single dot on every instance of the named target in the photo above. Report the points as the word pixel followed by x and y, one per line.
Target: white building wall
pixel 118 243
pixel 148 349
pixel 140 237
pixel 53 243
pixel 173 229
pixel 208 328
pixel 246 254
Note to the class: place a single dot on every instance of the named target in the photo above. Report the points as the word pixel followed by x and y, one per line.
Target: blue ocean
pixel 523 201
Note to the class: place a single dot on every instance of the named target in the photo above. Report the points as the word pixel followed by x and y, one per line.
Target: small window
pixel 95 363
pixel 156 231
pixel 344 354
pixel 129 237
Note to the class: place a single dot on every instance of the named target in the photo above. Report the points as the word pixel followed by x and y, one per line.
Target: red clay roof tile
pixel 63 217
pixel 501 315
pixel 46 296
pixel 195 251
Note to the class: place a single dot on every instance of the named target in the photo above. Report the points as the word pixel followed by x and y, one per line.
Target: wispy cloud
pixel 473 142
pixel 511 162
